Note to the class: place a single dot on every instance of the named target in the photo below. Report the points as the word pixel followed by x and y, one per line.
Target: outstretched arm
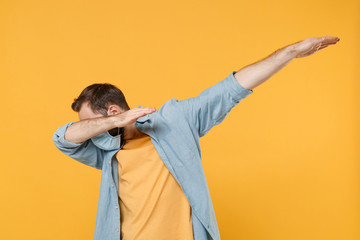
pixel 213 104
pixel 253 75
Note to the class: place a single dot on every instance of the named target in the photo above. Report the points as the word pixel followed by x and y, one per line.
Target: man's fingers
pixel 138 112
pixel 329 40
pixel 324 45
pixel 329 43
pixel 143 108
pixel 147 110
pixel 131 115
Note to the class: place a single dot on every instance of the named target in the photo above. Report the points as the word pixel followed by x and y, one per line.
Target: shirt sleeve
pixel 212 105
pixel 85 152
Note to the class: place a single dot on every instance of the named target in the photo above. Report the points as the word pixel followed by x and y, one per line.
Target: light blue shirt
pixel 175 130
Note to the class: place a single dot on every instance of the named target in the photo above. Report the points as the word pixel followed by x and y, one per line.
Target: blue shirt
pixel 175 130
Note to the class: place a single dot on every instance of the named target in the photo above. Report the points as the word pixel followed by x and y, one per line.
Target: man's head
pixel 100 99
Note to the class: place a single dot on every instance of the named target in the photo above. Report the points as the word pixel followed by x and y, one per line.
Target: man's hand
pixel 130 116
pixel 309 46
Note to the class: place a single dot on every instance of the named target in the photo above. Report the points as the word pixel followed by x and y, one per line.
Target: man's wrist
pixel 112 121
pixel 291 51
pixel 285 55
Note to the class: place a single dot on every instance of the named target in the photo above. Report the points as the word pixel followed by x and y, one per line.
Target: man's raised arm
pixel 212 105
pixel 253 75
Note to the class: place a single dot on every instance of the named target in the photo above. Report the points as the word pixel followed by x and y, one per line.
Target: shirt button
pixel 116 207
pixel 109 162
pixel 112 185
pixel 117 229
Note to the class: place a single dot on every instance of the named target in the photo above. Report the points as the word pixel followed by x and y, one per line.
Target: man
pixel 153 185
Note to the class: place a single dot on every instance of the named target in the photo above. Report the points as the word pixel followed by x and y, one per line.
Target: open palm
pixel 309 46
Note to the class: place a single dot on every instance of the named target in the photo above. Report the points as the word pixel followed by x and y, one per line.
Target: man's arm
pixel 83 130
pixel 73 139
pixel 85 152
pixel 213 104
pixel 255 74
pixel 86 129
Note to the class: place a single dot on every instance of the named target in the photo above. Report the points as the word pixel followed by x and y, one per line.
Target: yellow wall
pixel 283 165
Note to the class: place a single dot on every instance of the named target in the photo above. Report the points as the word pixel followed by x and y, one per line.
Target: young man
pixel 153 185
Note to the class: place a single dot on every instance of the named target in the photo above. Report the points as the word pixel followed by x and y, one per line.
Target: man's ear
pixel 114 109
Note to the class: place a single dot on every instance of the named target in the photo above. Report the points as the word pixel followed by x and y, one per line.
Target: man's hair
pixel 100 96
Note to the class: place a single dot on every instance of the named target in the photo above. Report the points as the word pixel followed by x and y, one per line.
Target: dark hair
pixel 100 96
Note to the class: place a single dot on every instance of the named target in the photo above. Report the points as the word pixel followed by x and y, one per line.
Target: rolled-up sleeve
pixel 85 152
pixel 212 105
pixel 237 91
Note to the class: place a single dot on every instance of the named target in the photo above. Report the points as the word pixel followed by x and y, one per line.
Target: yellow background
pixel 283 165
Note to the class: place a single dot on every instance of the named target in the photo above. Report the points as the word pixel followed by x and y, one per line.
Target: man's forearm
pixel 83 130
pixel 253 75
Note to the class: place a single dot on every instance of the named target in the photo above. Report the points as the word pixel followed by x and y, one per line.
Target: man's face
pixel 86 112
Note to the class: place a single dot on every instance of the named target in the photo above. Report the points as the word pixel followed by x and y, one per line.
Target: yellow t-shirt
pixel 152 203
